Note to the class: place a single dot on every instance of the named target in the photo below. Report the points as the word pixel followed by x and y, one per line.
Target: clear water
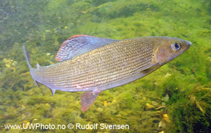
pixel 175 98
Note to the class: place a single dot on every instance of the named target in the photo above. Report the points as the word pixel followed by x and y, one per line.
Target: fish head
pixel 168 48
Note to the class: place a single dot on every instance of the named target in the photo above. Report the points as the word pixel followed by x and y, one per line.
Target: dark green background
pixel 42 25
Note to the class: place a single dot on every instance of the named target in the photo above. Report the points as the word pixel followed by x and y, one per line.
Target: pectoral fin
pixel 150 69
pixel 80 44
pixel 88 98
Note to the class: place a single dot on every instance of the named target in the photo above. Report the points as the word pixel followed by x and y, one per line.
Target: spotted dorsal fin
pixel 80 44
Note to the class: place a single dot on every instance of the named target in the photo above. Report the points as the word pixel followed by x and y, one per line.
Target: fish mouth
pixel 189 43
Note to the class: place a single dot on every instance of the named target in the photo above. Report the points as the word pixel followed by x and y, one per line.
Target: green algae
pixel 179 89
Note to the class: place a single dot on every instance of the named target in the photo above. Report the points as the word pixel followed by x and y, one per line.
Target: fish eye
pixel 176 46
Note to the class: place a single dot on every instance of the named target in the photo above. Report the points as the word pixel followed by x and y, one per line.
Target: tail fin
pixel 26 54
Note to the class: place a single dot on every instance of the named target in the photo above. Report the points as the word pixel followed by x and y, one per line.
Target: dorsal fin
pixel 80 44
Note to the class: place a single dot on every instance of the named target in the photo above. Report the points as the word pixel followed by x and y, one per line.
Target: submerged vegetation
pixel 175 98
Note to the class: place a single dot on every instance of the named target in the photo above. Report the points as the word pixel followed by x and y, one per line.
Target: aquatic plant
pixel 179 92
pixel 191 111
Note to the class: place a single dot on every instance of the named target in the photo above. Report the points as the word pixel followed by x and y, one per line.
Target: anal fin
pixel 88 98
pixel 53 91
pixel 37 83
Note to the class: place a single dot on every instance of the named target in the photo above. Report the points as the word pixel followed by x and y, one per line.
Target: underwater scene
pixel 176 98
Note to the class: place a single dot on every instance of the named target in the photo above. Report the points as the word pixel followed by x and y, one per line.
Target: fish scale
pixel 114 56
pixel 111 64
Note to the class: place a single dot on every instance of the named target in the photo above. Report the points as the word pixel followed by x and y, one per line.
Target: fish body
pixel 110 64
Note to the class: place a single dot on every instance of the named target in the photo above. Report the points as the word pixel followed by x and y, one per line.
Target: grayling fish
pixel 94 64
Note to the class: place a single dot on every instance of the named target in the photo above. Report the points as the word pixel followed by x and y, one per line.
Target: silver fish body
pixel 109 66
